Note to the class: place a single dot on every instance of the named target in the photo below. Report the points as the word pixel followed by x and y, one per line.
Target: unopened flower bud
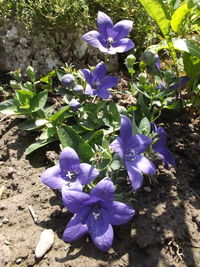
pixel 67 80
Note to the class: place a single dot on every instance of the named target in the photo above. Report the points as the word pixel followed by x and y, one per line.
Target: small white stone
pixel 45 243
pixel 147 189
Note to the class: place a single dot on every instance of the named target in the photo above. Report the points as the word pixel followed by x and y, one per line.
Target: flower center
pixel 71 175
pixel 95 85
pixel 109 42
pixel 96 211
pixel 130 154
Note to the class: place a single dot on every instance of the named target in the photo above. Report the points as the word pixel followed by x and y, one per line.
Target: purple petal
pixel 144 165
pixel 75 186
pixel 101 231
pixel 69 159
pixel 165 155
pixel 75 229
pixel 138 142
pixel 121 213
pixel 125 128
pixel 99 71
pixel 123 45
pixel 122 29
pixel 74 200
pixel 109 82
pixel 86 173
pixel 92 38
pixel 135 175
pixel 52 178
pixel 118 146
pixel 87 75
pixel 89 90
pixel 104 190
pixel 162 138
pixel 105 24
pixel 103 93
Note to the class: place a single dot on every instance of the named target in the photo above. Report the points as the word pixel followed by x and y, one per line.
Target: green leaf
pixel 31 73
pixel 47 133
pixel 8 107
pixel 178 17
pixel 187 46
pixel 38 101
pixel 23 97
pixel 32 124
pixel 47 78
pixel 145 126
pixel 68 137
pixel 96 138
pixel 38 144
pixel 158 11
pixel 59 114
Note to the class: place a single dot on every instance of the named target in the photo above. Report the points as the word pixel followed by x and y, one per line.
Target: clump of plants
pixel 101 142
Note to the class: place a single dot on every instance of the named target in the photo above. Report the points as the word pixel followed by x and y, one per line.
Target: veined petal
pixel 104 190
pixel 121 213
pixel 69 159
pixel 101 231
pixel 110 51
pixel 118 146
pixel 99 71
pixel 87 75
pixel 123 45
pixel 75 229
pixel 105 24
pixel 103 93
pixel 89 90
pixel 52 177
pixel 139 142
pixel 108 82
pixel 125 128
pixel 86 173
pixel 92 38
pixel 144 165
pixel 122 29
pixel 135 175
pixel 74 200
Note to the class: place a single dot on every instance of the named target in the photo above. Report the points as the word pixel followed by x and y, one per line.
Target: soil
pixel 165 232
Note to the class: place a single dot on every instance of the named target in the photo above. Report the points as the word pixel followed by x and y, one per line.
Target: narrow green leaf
pixel 158 11
pixel 187 46
pixel 178 17
pixel 37 145
pixel 8 106
pixel 68 137
pixel 59 114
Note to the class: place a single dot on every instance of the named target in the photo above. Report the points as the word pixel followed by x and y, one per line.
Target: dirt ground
pixel 165 232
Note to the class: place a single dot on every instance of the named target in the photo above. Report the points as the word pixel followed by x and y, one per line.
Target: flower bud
pixel 74 105
pixel 67 80
pixel 78 88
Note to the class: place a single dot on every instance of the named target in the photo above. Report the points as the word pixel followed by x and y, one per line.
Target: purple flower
pixel 70 173
pixel 129 147
pixel 97 81
pixel 95 213
pixel 181 82
pixel 160 146
pixel 74 105
pixel 110 39
pixel 67 80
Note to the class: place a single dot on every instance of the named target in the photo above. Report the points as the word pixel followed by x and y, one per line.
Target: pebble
pixel 45 242
pixel 2 191
pixel 5 221
pixel 6 242
pixel 18 261
pixel 147 189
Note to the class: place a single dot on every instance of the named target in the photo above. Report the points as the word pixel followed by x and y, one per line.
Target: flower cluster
pixel 96 212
